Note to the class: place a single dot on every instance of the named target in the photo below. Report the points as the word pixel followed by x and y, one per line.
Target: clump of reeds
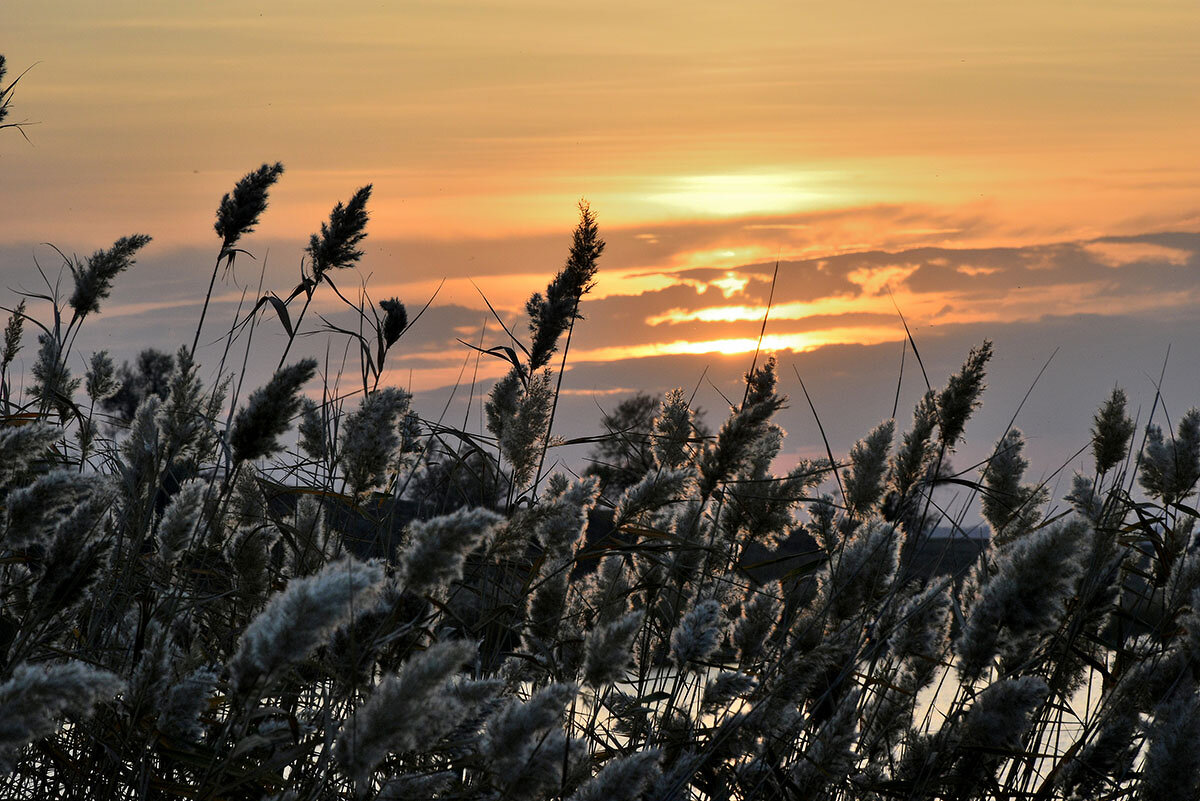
pixel 191 608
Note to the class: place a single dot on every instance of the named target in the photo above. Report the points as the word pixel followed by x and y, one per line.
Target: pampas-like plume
pixel 563 516
pixel 32 509
pixel 921 633
pixel 267 414
pixel 336 247
pixel 523 745
pixel 180 521
pixel 185 701
pixel 738 435
pixel 94 278
pixel 395 320
pixel 37 696
pixel 522 434
pixel 416 787
pixel 101 377
pixel 551 315
pixel 623 779
pixel 12 336
pixel 760 613
pixel 312 430
pixel 672 430
pixel 1024 601
pixel 53 386
pixel 961 396
pixel 721 690
pixel 1170 470
pixel 1172 766
pixel 1011 508
pixel 1107 757
pixel 910 461
pixel 1111 431
pixel 371 437
pixel 1001 714
pixel 868 463
pixel 697 635
pixel 830 755
pixel 606 591
pixel 438 547
pixel 863 569
pixel 20 446
pixel 657 489
pixel 609 649
pixel 404 711
pixel 301 618
pixel 239 211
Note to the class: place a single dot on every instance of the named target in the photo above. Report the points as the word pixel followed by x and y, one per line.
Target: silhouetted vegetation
pixel 314 593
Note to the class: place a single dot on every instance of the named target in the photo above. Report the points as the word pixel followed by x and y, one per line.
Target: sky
pixel 1025 172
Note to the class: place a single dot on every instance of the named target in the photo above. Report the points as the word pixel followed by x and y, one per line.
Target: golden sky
pixel 979 165
pixel 492 118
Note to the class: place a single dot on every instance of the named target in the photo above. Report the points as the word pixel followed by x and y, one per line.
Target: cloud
pixel 1123 254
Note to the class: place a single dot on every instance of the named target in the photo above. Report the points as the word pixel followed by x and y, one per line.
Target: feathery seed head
pixel 299 619
pixel 697 635
pixel 185 701
pixel 1170 470
pixel 181 521
pixel 868 460
pixel 551 315
pixel 336 247
pixel 371 438
pixel 312 429
pixel 522 433
pixel 239 211
pixel 268 412
pixel 53 385
pixel 621 779
pixel 93 279
pixel 516 733
pixel 34 700
pixel 405 711
pixel 1001 714
pixel 101 377
pixel 609 649
pixel 564 519
pixel 1111 431
pixel 673 430
pixel 438 547
pixel 12 335
pixel 1024 601
pixel 395 320
pixel 960 398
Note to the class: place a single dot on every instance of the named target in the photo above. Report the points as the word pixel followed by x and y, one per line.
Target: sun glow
pixel 801 342
pixel 750 193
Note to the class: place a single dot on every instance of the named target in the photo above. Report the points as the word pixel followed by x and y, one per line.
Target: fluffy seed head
pixel 697 635
pixel 337 245
pixel 405 711
pixel 961 396
pixel 438 547
pixel 395 320
pixel 269 411
pixel 1111 431
pixel 301 618
pixel 239 211
pixel 609 649
pixel 34 700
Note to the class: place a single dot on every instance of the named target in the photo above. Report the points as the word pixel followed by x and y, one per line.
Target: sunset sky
pixel 1025 171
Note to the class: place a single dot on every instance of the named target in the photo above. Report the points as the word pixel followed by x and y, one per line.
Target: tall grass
pixel 193 607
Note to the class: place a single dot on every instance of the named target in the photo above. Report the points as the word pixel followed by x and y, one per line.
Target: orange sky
pixel 492 118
